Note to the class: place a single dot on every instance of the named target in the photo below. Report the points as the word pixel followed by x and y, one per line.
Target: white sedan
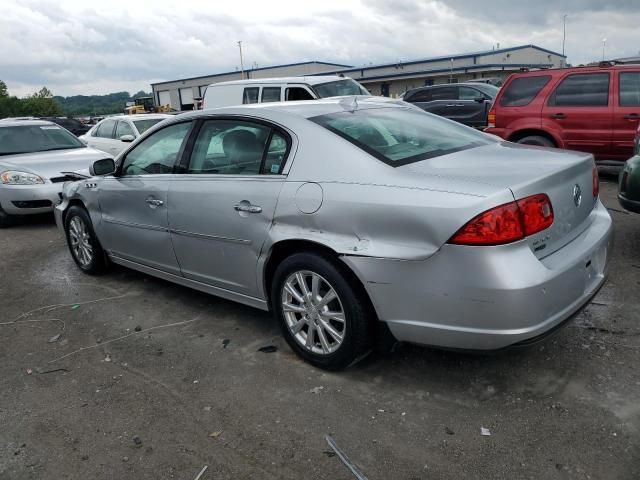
pixel 113 134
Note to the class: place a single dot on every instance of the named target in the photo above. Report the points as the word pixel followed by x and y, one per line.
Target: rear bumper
pixel 487 298
pixel 29 199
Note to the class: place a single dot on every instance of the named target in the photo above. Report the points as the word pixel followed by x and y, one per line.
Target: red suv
pixel 591 109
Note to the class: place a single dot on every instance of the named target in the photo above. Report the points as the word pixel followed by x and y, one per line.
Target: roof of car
pixel 315 80
pixel 307 108
pixel 137 116
pixel 584 68
pixel 22 123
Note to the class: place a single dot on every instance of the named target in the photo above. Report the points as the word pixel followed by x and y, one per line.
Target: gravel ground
pixel 165 402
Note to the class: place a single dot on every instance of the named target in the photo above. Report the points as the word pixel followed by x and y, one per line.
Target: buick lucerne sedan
pixel 342 213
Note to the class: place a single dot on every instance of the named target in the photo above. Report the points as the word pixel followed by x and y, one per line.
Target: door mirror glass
pixel 480 99
pixel 127 138
pixel 105 166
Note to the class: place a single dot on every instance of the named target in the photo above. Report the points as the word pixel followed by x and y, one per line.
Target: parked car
pixel 467 103
pixel 338 213
pixel 495 81
pixel 588 109
pixel 238 92
pixel 34 156
pixel 114 134
pixel 74 126
pixel 629 184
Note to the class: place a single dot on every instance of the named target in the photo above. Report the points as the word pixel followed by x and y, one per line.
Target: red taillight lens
pixel 507 223
pixel 537 213
pixel 596 182
pixel 491 118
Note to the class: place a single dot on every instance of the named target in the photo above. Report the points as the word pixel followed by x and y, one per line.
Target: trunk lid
pixel 566 177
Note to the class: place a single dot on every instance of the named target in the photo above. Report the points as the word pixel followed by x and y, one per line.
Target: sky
pixel 98 47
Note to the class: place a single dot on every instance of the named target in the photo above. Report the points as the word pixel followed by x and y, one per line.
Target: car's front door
pixel 133 202
pixel 626 113
pixel 123 128
pixel 580 112
pixel 222 207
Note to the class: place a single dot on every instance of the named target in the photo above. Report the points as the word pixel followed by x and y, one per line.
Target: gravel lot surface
pixel 165 402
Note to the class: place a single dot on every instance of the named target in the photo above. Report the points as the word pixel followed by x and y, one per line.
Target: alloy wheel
pixel 80 241
pixel 313 312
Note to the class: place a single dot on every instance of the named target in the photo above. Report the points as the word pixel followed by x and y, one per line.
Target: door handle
pixel 558 115
pixel 153 202
pixel 632 116
pixel 449 105
pixel 459 104
pixel 244 207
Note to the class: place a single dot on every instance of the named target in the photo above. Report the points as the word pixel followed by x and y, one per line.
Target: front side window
pixel 105 129
pixel 297 93
pixel 629 89
pixel 339 88
pixel 236 147
pixel 250 95
pixel 36 138
pixel 582 90
pixel 521 91
pixel 270 94
pixel 398 136
pixel 123 128
pixel 467 93
pixel 158 153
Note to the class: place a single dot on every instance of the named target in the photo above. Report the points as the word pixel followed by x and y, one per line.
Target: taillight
pixel 596 182
pixel 491 118
pixel 507 223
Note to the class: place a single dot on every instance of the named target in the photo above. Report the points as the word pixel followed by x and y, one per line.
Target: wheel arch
pixel 526 132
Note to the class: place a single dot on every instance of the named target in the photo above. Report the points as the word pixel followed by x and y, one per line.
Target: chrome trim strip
pixel 135 225
pixel 210 237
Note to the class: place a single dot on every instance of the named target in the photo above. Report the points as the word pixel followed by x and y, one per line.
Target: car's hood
pixel 53 163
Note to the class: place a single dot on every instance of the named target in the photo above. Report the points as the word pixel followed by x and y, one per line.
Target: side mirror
pixel 104 166
pixel 480 99
pixel 127 138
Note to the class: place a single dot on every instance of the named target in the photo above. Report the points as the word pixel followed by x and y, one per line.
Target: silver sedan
pixel 351 217
pixel 34 156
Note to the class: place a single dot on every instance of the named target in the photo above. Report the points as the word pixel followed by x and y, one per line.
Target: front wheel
pixel 538 140
pixel 324 318
pixel 83 243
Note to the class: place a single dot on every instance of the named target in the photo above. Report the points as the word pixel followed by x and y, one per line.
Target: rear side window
pixel 630 89
pixel 250 95
pixel 582 90
pixel 297 93
pixel 521 91
pixel 270 94
pixel 398 136
pixel 444 93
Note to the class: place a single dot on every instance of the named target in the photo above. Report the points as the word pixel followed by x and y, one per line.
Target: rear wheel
pixel 323 317
pixel 83 243
pixel 5 219
pixel 538 140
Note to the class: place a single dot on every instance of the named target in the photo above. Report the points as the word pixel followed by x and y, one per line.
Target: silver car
pixel 347 215
pixel 34 156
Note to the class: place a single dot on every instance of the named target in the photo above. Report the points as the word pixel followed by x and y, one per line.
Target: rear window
pixel 521 91
pixel 339 88
pixel 144 125
pixel 398 136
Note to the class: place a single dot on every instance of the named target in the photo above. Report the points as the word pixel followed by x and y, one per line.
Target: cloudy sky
pixel 97 47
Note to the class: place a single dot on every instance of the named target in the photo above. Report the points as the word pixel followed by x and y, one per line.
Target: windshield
pixel 490 90
pixel 339 88
pixel 144 125
pixel 36 138
pixel 399 136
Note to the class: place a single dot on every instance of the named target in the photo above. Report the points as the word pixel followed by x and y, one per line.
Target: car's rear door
pixel 102 137
pixel 579 110
pixel 440 100
pixel 221 209
pixel 134 204
pixel 626 112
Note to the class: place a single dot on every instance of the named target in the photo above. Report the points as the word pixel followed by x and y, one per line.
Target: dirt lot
pixel 163 403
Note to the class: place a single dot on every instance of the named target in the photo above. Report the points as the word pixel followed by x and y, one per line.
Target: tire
pixel 355 329
pixel 536 140
pixel 5 219
pixel 83 244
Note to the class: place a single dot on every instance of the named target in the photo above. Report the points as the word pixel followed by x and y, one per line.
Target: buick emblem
pixel 577 195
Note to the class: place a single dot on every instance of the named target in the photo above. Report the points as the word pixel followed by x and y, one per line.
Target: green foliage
pixel 43 104
pixel 80 105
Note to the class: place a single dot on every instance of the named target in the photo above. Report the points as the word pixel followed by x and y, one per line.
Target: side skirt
pixel 203 287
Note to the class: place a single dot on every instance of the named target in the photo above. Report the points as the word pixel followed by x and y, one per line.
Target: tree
pixel 4 92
